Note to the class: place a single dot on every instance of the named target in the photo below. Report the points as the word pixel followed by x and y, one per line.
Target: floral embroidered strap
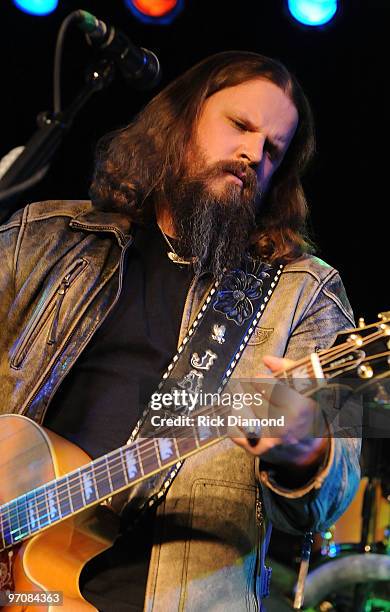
pixel 209 353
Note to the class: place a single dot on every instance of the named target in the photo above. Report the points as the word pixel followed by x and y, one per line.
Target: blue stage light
pixel 36 7
pixel 313 12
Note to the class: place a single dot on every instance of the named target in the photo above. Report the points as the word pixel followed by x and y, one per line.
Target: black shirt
pixel 99 402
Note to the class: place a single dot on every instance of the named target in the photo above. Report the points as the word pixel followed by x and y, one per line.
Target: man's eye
pixel 239 125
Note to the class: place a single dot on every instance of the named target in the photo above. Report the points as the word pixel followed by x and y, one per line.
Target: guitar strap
pixel 205 361
pixel 207 357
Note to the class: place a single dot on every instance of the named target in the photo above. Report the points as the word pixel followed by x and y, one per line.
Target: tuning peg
pixel 361 322
pixel 365 371
pixel 356 339
pixel 384 315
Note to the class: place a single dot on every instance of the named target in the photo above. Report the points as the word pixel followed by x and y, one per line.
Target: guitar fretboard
pixel 59 499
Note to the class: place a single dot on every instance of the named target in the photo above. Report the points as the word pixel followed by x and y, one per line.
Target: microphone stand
pixel 31 165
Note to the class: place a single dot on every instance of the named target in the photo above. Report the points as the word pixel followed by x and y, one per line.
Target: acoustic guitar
pixel 53 515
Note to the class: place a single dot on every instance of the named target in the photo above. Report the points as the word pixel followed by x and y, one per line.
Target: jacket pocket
pixel 43 313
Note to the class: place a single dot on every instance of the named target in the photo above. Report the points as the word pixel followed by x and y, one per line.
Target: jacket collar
pixel 95 220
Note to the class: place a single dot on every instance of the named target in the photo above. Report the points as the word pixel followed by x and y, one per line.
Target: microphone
pixel 137 65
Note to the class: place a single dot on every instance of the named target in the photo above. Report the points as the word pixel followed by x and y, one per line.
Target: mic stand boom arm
pixel 45 141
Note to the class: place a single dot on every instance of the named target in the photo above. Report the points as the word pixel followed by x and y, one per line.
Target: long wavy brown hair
pixel 135 163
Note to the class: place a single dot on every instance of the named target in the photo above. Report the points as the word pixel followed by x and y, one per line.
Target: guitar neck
pixel 57 500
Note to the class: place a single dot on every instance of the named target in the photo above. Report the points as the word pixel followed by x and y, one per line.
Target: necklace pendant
pixel 178 260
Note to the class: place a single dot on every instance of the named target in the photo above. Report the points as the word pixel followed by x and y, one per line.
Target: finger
pixel 276 364
pixel 247 432
pixel 244 425
pixel 297 405
pixel 263 445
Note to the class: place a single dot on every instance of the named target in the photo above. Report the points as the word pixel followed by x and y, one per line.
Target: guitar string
pixel 347 347
pixel 118 461
pixel 73 481
pixel 143 447
pixel 281 375
pixel 41 498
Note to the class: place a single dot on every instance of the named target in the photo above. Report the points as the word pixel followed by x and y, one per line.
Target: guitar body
pixel 53 560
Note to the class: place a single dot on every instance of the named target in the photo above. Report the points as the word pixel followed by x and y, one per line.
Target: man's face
pixel 240 140
pixel 251 125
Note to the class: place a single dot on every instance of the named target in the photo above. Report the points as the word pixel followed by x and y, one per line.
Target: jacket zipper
pixel 65 284
pixel 54 302
pixel 30 401
pixel 259 522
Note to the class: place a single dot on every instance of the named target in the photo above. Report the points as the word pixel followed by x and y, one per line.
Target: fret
pixel 108 474
pixel 107 467
pixel 123 464
pixel 221 417
pixel 2 529
pixel 32 510
pixel 301 377
pixel 42 507
pixel 78 475
pixel 283 375
pixel 166 450
pixel 103 484
pixel 87 485
pixel 131 461
pixel 137 448
pixel 289 379
pixel 6 526
pixel 204 433
pixel 90 492
pixel 64 497
pixel 176 448
pixel 187 443
pixel 76 492
pixel 52 501
pixel 117 473
pixel 154 447
pixel 196 438
pixel 46 504
pixel 93 474
pixel 207 426
pixel 13 522
pixel 24 529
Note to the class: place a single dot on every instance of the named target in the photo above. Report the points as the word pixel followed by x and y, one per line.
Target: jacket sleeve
pixel 326 496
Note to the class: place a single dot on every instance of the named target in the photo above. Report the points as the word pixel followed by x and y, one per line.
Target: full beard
pixel 214 227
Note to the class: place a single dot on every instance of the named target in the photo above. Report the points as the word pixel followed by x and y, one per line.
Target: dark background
pixel 341 67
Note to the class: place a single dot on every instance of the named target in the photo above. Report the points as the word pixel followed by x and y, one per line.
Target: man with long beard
pixel 97 296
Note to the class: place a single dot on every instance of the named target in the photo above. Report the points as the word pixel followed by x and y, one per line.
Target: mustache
pixel 240 169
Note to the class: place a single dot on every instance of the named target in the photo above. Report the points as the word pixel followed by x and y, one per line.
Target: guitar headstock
pixel 363 351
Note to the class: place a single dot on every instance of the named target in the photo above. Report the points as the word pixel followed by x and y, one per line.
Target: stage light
pixel 313 12
pixel 36 7
pixel 155 11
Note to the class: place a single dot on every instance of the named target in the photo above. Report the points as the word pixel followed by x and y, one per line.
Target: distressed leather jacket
pixel 60 276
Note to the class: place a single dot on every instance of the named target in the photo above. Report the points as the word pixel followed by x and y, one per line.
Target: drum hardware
pixel 359 543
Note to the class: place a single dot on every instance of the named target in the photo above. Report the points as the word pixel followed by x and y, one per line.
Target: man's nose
pixel 251 149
